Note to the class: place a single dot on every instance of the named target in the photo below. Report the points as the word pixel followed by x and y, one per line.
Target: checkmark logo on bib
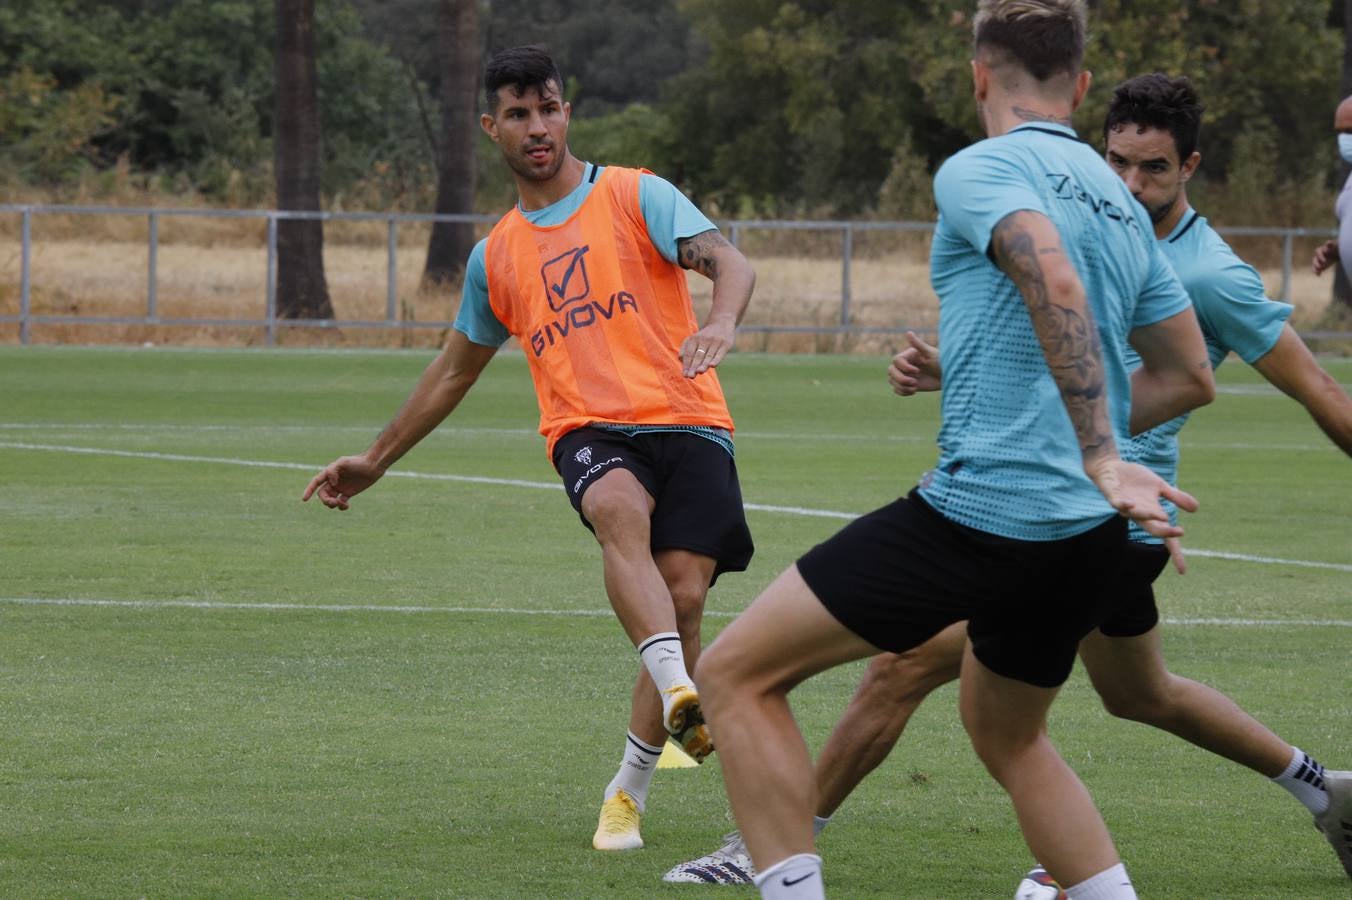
pixel 565 278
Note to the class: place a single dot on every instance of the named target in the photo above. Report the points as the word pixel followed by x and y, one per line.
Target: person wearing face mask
pixel 1340 248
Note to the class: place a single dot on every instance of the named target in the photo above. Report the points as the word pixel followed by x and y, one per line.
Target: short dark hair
pixel 1158 101
pixel 522 68
pixel 1046 37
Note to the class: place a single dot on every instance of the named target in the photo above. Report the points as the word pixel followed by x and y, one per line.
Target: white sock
pixel 818 823
pixel 797 878
pixel 665 660
pixel 636 770
pixel 1110 884
pixel 1304 778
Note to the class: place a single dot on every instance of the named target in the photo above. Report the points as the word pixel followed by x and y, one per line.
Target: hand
pixel 341 480
pixel 1326 256
pixel 1175 548
pixel 916 368
pixel 706 348
pixel 1135 492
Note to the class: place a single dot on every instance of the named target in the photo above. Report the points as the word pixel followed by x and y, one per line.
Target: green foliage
pixel 44 131
pixel 634 136
pixel 760 107
pixel 1267 70
pixel 613 53
pixel 807 104
pixel 187 87
pixel 801 104
pixel 905 193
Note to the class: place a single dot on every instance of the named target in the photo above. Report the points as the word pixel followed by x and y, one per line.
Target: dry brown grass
pixel 216 269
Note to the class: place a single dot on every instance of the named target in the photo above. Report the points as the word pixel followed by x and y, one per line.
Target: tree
pixel 302 292
pixel 806 106
pixel 458 46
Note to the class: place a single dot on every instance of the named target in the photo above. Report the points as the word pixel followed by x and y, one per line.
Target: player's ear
pixel 1082 82
pixel 981 80
pixel 490 126
pixel 1189 166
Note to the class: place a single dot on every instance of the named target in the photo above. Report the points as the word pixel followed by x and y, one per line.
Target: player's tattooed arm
pixel 1028 249
pixel 710 254
pixel 700 252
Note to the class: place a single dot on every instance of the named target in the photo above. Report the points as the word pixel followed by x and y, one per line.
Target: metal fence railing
pixel 271 322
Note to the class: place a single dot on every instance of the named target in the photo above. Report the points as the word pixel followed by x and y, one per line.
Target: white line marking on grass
pixel 511 611
pixel 457 431
pixel 265 464
pixel 318 607
pixel 801 511
pixel 449 431
pixel 1271 560
pixel 555 486
pixel 1261 623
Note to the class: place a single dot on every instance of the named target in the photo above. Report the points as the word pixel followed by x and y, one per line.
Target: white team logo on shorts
pixel 583 456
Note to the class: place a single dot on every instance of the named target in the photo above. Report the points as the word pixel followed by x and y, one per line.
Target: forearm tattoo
pixel 1069 337
pixel 697 252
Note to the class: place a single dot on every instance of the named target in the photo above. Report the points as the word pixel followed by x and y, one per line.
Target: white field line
pixel 452 432
pixel 555 486
pixel 509 611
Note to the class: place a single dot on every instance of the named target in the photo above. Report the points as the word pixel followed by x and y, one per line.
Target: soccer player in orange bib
pixel 587 272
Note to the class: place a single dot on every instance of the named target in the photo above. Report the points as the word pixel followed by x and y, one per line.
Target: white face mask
pixel 1345 147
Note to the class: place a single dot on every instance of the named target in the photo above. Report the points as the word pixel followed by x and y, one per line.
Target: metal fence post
pixel 392 272
pixel 152 267
pixel 847 251
pixel 26 277
pixel 271 314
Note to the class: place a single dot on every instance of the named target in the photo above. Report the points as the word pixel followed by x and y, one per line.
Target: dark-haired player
pixel 587 272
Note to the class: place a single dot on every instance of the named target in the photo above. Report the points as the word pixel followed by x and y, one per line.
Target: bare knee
pixel 687 598
pixel 717 676
pixel 687 576
pixel 1003 755
pixel 894 677
pixel 1148 706
pixel 618 508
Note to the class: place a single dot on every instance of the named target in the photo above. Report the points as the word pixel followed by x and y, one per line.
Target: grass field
pixel 208 688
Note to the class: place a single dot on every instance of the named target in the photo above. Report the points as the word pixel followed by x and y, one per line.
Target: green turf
pixel 449 729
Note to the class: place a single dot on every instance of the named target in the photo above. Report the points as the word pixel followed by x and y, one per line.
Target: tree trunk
pixel 302 292
pixel 458 55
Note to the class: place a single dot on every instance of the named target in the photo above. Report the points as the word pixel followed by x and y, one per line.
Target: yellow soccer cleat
pixel 684 721
pixel 618 827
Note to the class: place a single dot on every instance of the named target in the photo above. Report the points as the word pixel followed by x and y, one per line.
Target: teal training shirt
pixel 1235 314
pixel 669 215
pixel 1009 460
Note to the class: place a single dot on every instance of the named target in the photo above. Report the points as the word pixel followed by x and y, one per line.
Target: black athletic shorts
pixel 1131 602
pixel 903 573
pixel 693 480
